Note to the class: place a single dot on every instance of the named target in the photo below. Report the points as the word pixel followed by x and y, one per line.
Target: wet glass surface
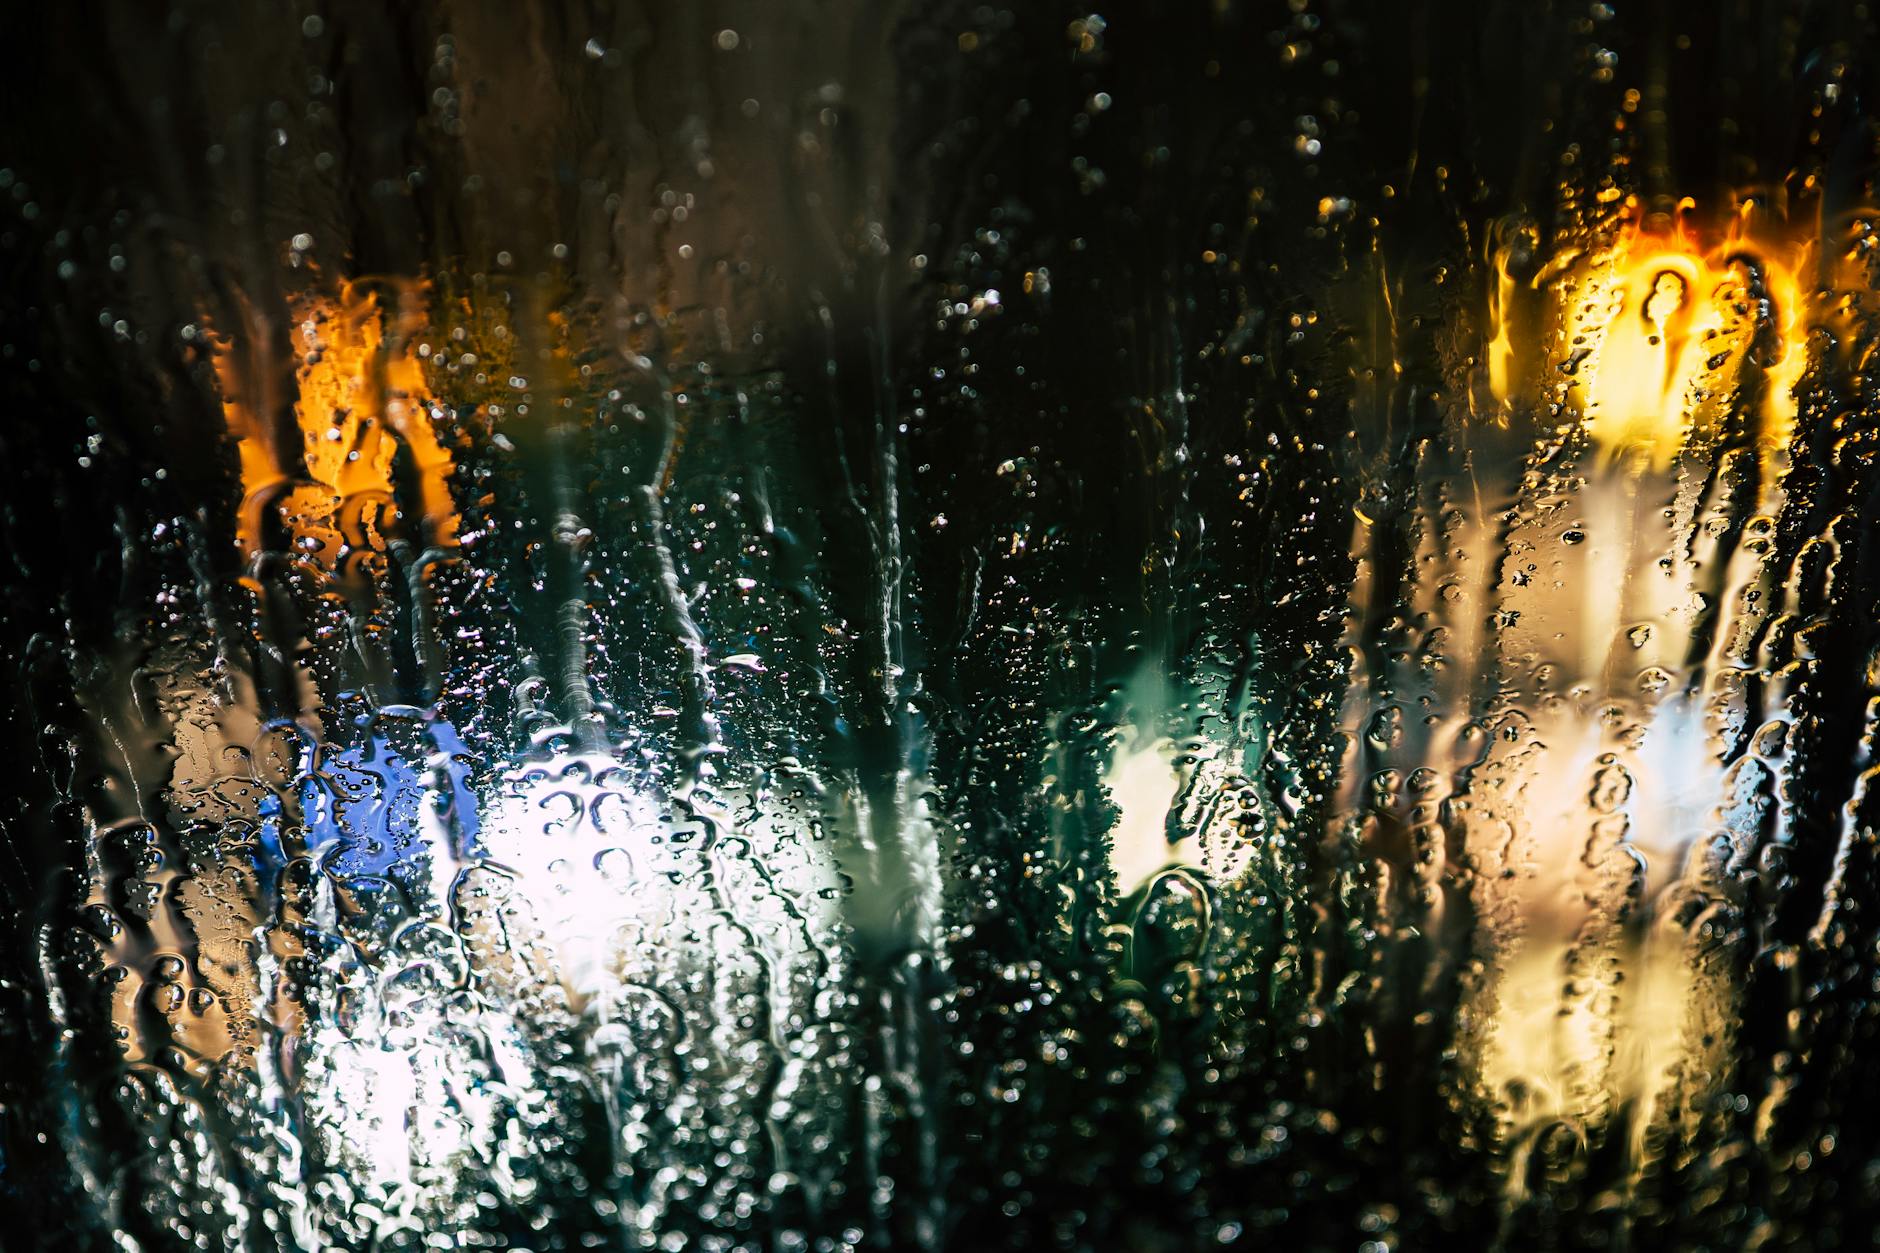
pixel 850 625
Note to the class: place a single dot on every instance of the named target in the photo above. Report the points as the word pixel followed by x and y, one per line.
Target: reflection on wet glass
pixel 824 628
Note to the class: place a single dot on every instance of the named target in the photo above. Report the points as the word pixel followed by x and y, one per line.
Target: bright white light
pixel 589 851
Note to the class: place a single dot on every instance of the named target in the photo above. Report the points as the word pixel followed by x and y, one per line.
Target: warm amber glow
pixel 361 394
pixel 1661 334
pixel 1664 344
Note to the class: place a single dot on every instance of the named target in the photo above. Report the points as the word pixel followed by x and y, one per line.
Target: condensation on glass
pixel 820 627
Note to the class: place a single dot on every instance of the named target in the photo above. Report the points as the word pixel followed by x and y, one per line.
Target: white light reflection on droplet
pixel 588 849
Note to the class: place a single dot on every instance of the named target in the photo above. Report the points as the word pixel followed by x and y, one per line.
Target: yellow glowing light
pixel 1665 346
pixel 1662 335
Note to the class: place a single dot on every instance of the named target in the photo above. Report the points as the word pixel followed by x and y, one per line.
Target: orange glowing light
pixel 1660 336
pixel 361 396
